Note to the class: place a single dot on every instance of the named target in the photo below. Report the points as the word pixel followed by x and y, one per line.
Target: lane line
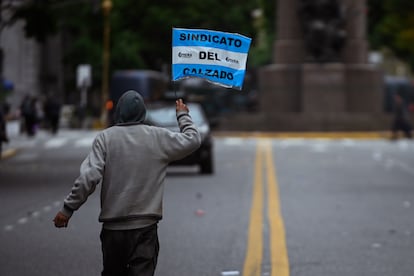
pixel 278 249
pixel 34 214
pixel 84 142
pixel 230 273
pixel 402 166
pixel 55 143
pixel 254 252
pixel 8 227
pixel 22 220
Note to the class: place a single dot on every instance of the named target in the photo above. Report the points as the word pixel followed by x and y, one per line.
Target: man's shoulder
pixel 118 130
pixel 109 131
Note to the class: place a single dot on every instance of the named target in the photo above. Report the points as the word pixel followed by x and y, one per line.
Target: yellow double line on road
pixel 278 251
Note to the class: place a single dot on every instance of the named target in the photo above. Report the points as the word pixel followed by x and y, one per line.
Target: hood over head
pixel 130 109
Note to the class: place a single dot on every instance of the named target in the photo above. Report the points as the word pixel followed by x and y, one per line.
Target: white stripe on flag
pixel 208 56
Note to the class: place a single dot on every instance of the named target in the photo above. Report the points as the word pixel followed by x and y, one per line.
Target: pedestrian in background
pixel 52 113
pixel 129 160
pixel 3 131
pixel 401 121
pixel 29 111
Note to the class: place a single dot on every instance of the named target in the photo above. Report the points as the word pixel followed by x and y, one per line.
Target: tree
pixel 148 26
pixel 140 30
pixel 391 25
pixel 40 20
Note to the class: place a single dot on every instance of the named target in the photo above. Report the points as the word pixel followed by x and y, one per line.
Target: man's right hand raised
pixel 180 106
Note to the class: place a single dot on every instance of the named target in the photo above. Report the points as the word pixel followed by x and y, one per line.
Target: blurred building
pixel 33 68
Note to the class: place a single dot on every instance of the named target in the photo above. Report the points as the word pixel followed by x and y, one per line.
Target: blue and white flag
pixel 216 56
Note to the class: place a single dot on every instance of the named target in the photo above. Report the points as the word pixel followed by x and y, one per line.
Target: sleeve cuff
pixel 181 113
pixel 66 211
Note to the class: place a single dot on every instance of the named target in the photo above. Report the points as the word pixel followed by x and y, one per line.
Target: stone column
pixel 356 48
pixel 364 91
pixel 279 83
pixel 288 48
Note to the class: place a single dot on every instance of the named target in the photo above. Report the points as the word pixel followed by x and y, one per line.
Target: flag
pixel 218 57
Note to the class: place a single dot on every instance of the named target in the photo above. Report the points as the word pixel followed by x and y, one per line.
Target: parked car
pixel 163 115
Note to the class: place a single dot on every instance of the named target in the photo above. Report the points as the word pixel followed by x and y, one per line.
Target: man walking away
pixel 52 113
pixel 401 120
pixel 129 160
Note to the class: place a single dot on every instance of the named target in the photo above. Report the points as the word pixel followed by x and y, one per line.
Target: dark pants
pixel 54 123
pixel 130 252
pixel 402 125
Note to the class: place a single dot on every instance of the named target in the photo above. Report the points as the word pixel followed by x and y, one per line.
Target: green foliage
pixel 391 25
pixel 81 29
pixel 151 26
pixel 40 21
pixel 141 30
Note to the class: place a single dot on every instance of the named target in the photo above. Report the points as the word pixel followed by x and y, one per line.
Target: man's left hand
pixel 61 220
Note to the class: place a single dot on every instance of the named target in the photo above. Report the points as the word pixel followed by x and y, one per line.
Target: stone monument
pixel 320 79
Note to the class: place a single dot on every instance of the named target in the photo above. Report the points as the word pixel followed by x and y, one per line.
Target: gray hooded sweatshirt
pixel 129 160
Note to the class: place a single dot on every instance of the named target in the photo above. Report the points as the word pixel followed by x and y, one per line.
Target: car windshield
pixel 165 116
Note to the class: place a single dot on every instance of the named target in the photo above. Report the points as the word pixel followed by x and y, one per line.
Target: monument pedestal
pixel 280 88
pixel 320 94
pixel 323 88
pixel 339 91
pixel 364 88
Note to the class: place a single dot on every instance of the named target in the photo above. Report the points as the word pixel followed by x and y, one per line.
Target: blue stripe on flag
pixel 213 39
pixel 218 74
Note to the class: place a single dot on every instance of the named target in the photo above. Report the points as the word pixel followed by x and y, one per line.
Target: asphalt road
pixel 275 206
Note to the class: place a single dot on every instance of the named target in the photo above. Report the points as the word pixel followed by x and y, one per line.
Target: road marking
pixel 278 250
pixel 292 142
pixel 348 142
pixel 55 142
pixel 22 220
pixel 319 147
pixel 230 273
pixel 254 252
pixel 8 228
pixel 403 166
pixel 231 141
pixel 84 142
pixel 34 214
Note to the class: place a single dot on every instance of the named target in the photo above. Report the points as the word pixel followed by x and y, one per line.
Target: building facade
pixel 34 68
